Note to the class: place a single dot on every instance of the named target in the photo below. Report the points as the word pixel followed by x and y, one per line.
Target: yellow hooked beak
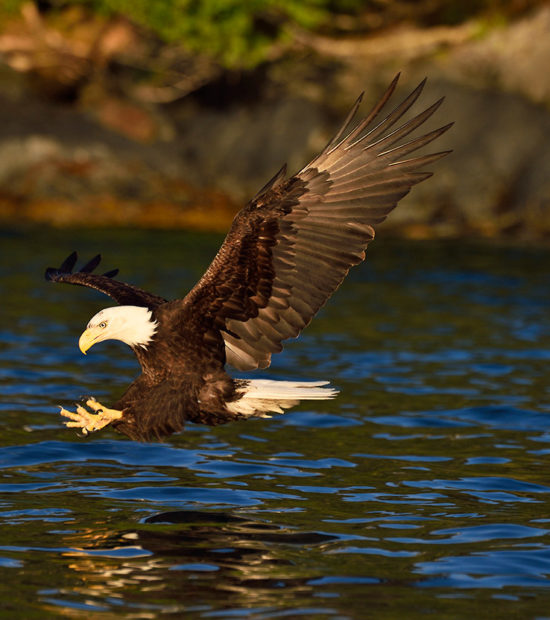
pixel 89 338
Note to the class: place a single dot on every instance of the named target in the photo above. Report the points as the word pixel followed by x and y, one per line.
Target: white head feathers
pixel 133 325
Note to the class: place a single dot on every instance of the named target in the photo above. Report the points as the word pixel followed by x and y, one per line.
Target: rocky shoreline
pixel 191 163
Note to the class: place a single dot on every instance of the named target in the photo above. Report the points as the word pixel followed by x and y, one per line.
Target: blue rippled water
pixel 422 489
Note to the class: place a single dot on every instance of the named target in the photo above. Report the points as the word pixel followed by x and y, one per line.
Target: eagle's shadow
pixel 200 555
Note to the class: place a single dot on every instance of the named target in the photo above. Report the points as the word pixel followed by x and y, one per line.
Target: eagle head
pixel 133 325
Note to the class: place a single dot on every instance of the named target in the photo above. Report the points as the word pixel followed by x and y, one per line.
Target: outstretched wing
pixel 124 294
pixel 290 248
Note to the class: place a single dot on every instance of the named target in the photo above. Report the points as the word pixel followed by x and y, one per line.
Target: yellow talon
pixel 90 422
pixel 93 404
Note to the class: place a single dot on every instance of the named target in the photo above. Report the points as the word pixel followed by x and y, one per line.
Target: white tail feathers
pixel 263 396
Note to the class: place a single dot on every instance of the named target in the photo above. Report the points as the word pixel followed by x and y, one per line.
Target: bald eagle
pixel 287 251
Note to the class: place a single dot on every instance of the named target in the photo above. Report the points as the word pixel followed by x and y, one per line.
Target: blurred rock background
pixel 173 113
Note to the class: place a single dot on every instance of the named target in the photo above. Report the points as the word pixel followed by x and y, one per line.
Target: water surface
pixel 423 489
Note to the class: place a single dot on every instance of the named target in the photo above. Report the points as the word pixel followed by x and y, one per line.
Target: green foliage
pixel 243 33
pixel 10 7
pixel 238 33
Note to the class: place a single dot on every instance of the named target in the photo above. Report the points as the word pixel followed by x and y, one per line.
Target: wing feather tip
pixel 111 274
pixel 54 274
pixel 51 274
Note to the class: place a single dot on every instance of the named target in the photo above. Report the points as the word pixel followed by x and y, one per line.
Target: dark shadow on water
pixel 192 556
pixel 238 528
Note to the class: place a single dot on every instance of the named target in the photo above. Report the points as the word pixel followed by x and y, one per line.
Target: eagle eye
pixel 103 324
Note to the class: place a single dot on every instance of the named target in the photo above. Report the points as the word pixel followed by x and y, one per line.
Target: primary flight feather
pixel 287 251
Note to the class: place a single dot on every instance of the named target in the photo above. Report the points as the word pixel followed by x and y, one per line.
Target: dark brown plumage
pixel 287 251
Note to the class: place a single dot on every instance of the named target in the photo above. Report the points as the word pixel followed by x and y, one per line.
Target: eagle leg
pixel 90 422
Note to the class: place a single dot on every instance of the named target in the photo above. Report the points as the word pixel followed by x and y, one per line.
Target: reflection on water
pixel 424 486
pixel 216 556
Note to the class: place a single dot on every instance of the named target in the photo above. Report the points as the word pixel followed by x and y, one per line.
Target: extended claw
pixel 90 422
pixel 93 404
